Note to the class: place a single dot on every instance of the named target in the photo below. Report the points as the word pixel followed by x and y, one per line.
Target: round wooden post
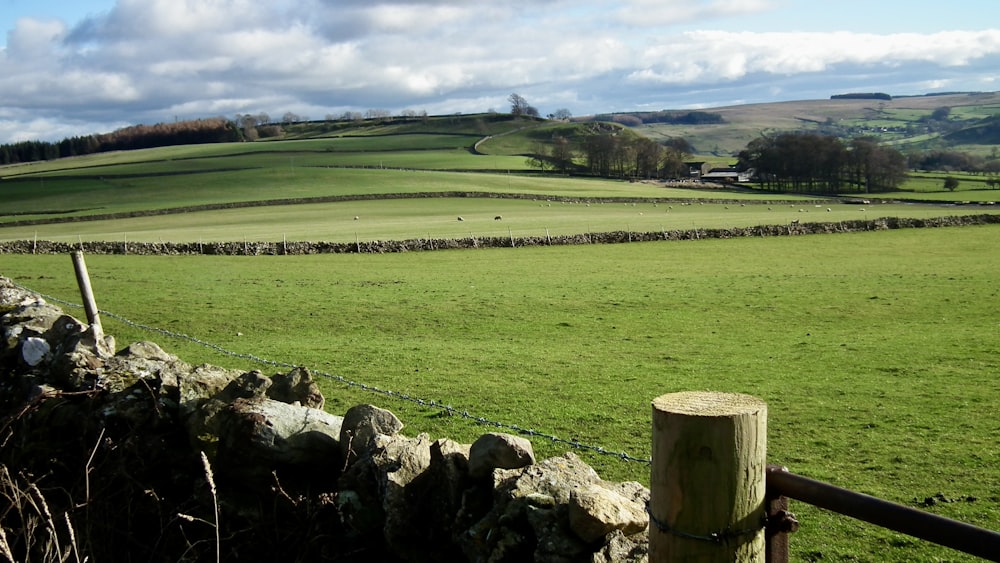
pixel 707 484
pixel 86 292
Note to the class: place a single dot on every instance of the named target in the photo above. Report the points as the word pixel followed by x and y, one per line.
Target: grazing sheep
pixel 828 210
pixel 795 221
pixel 460 218
pixel 498 218
pixel 356 217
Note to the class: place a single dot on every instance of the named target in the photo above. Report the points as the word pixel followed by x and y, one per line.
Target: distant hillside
pixel 907 122
pixel 986 132
pixel 959 121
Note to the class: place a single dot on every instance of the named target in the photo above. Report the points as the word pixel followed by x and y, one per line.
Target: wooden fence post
pixel 707 487
pixel 87 293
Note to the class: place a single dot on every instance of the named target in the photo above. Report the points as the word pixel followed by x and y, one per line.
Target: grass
pixel 403 219
pixel 874 351
pixel 934 182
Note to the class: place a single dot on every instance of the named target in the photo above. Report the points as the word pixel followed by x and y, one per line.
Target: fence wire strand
pixel 450 410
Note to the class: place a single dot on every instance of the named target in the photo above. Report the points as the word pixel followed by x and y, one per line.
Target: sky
pixel 76 67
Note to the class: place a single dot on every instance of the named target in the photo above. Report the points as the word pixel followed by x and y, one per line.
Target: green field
pixel 405 219
pixel 876 352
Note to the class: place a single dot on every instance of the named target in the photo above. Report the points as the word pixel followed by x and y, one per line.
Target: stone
pixel 248 385
pixel 529 517
pixel 34 350
pixel 203 382
pixel 257 436
pixel 296 386
pixel 499 451
pixel 622 549
pixel 595 511
pixel 362 423
pixel 146 351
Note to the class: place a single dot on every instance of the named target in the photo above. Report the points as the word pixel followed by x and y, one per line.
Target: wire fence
pixel 450 410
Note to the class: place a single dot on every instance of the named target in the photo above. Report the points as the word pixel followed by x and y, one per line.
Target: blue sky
pixel 86 66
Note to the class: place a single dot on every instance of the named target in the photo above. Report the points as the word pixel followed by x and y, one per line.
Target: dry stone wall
pixel 138 455
pixel 414 245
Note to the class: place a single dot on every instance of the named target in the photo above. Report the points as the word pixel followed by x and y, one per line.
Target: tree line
pixel 613 152
pixel 212 130
pixel 636 119
pixel 815 163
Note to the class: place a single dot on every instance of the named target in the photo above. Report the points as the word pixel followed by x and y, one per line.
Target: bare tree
pixel 561 114
pixel 519 106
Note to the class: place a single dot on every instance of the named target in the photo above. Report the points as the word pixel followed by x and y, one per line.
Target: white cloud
pixel 650 13
pixel 31 37
pixel 148 60
pixel 714 56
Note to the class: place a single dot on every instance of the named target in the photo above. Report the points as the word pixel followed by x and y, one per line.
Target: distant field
pixel 934 182
pixel 403 219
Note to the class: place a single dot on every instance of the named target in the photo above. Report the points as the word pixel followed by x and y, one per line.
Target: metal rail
pixel 917 523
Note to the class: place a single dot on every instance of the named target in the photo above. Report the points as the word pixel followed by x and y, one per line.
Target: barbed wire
pixel 450 410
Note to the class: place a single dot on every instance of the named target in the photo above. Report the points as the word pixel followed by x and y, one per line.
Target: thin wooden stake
pixel 87 293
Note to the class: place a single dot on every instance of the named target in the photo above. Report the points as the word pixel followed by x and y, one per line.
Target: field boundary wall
pixel 258 248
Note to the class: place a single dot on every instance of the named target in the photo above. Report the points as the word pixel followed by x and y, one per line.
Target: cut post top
pixel 708 403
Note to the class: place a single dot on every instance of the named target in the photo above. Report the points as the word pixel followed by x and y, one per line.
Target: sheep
pixel 498 218
pixel 828 210
pixel 460 218
pixel 795 221
pixel 356 217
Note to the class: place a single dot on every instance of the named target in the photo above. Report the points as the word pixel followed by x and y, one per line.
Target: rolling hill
pixel 903 121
